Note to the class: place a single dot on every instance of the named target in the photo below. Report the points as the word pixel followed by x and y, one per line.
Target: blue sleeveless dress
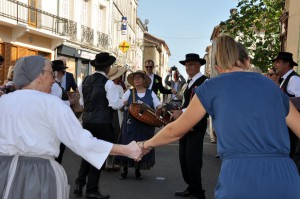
pixel 133 129
pixel 248 114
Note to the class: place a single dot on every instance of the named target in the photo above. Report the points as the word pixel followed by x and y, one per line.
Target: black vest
pixel 187 97
pixel 286 82
pixel 96 109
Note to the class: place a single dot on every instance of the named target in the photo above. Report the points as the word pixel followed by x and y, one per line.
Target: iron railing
pixel 39 19
pixel 102 40
pixel 87 35
pixel 36 18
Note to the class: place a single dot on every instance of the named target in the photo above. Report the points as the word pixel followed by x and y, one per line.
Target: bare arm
pixel 293 120
pixel 175 130
pixel 132 150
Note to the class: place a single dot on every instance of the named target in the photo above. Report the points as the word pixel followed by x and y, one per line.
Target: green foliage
pixel 256 25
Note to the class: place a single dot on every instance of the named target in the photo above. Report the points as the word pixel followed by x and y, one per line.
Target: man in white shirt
pixel 100 99
pixel 290 84
pixel 191 144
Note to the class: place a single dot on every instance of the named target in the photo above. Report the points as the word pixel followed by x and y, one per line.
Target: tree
pixel 256 25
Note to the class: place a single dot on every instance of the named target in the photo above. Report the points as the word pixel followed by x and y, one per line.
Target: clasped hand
pixel 137 150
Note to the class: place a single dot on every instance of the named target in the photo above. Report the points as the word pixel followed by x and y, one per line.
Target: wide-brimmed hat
pixel 146 77
pixel 193 57
pixel 116 72
pixel 286 56
pixel 58 65
pixel 103 60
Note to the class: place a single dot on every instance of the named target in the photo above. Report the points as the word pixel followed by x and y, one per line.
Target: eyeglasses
pixel 52 72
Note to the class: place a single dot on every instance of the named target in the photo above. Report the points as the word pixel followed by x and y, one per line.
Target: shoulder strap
pixel 133 94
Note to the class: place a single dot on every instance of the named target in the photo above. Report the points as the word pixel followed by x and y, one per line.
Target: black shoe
pixel 217 156
pixel 185 193
pixel 138 174
pixel 123 175
pixel 96 195
pixel 78 190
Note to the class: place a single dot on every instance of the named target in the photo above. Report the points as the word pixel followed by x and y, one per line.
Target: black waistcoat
pixel 187 97
pixel 96 109
pixel 286 82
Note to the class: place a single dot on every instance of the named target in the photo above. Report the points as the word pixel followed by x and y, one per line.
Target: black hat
pixel 193 57
pixel 103 60
pixel 58 65
pixel 286 56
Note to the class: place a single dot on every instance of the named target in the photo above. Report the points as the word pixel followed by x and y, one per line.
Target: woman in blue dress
pixel 250 115
pixel 133 129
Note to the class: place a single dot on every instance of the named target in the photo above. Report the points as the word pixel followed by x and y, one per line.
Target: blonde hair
pixel 227 53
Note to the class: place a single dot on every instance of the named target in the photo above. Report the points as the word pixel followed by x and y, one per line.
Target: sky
pixel 185 25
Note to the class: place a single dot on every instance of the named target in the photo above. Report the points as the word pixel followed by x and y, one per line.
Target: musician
pixel 191 144
pixel 177 84
pixel 133 129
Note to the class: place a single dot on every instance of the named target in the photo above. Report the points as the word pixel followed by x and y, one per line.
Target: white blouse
pixel 156 101
pixel 34 123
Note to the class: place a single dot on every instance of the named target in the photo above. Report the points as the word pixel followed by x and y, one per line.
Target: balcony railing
pixel 102 40
pixel 36 18
pixel 87 35
pixel 15 11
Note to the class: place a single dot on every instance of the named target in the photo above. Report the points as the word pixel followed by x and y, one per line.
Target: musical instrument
pixel 165 111
pixel 145 114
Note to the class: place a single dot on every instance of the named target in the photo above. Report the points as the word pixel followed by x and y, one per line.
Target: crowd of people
pixel 253 118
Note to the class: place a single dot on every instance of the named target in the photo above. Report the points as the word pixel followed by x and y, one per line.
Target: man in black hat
pixel 68 80
pixel 191 145
pixel 156 80
pixel 57 90
pixel 290 84
pixel 100 99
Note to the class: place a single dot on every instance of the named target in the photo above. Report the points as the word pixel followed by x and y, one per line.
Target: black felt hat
pixel 286 56
pixel 193 57
pixel 103 60
pixel 58 65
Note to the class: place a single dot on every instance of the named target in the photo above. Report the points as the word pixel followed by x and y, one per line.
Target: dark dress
pixel 253 138
pixel 133 129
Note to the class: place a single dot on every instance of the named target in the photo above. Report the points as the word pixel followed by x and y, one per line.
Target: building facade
pixel 290 30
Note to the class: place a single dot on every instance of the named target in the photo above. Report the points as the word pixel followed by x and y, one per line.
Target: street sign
pixel 124 46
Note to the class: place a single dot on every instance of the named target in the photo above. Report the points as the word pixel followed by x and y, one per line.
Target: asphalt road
pixel 160 182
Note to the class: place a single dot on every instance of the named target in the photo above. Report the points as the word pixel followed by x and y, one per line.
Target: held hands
pixel 145 150
pixel 134 151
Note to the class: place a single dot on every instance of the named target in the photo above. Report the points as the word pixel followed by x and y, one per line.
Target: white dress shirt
pixel 152 79
pixel 34 123
pixel 57 91
pixel 112 95
pixel 156 101
pixel 293 86
pixel 197 76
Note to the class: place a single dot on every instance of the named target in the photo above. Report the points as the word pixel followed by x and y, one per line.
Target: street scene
pixel 160 182
pixel 128 99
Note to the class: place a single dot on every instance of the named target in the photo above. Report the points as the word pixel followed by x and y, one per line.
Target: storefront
pixel 77 61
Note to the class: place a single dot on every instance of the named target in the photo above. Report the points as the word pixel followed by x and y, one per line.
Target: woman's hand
pixel 134 151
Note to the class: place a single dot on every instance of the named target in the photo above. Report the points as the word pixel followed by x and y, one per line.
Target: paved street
pixel 160 182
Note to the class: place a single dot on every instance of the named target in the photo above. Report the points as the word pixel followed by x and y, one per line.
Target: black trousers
pixel 190 155
pixel 62 149
pixel 100 131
